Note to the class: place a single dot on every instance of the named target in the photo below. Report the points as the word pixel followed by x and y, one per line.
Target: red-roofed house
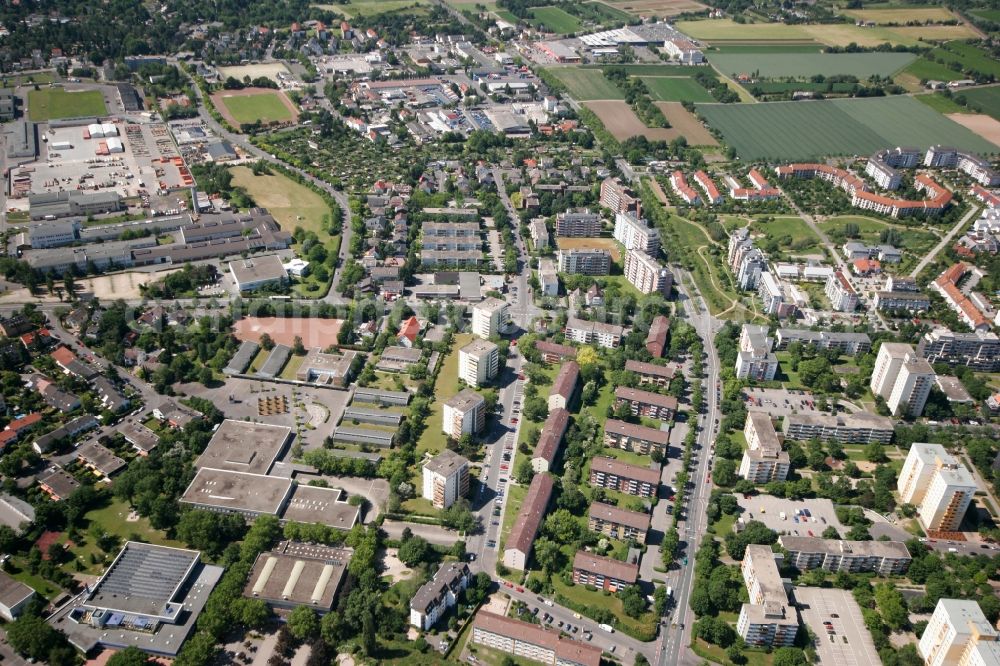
pixel 408 332
pixel 866 267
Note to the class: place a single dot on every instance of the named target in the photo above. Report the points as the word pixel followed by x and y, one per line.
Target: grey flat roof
pixel 13 591
pixel 374 416
pixel 299 574
pixel 242 446
pixel 446 463
pixel 891 549
pixel 237 491
pixel 381 397
pixel 315 504
pixel 242 358
pixel 275 361
pixel 144 579
pixel 14 512
pixel 374 436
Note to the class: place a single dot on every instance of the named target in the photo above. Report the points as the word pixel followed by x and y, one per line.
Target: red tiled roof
pixel 20 424
pixel 63 356
pixel 606 566
pixel 410 329
pixel 566 649
pixel 533 508
pixel 612 514
pixel 650 369
pixel 566 380
pixel 645 397
pixel 564 351
pixel 616 427
pixel 707 184
pixel 624 470
pixel 553 431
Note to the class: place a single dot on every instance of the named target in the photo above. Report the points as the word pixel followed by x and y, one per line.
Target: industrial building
pixel 299 574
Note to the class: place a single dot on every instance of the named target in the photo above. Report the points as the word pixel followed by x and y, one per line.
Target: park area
pixel 254 105
pixel 55 103
pixel 805 65
pixel 805 130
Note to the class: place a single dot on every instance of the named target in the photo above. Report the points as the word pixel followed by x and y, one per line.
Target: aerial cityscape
pixel 500 332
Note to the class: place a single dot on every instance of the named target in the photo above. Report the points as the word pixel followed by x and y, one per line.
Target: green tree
pixel 524 472
pixel 414 551
pixel 789 656
pixel 562 526
pixel 303 622
pixel 633 602
pixel 130 656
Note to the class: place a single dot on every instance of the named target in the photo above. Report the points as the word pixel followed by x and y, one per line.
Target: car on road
pixel 491 544
pixel 520 589
pixel 495 523
pixel 513 421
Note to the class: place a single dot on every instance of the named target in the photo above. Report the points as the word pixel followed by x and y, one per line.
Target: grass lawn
pixel 371 8
pixel 258 361
pixel 265 107
pixel 53 103
pixel 986 99
pixel 515 496
pixel 717 655
pixel 915 241
pixel 113 519
pixel 723 526
pixel 676 89
pixel 803 238
pixel 902 14
pixel 629 457
pixel 445 387
pixel 554 19
pixel 988 14
pixel 584 598
pixel 12 80
pixel 292 367
pixel 586 84
pixel 940 103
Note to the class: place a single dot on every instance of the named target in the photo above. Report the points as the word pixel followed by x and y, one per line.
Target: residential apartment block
pixel 902 378
pixel 619 197
pixel 531 641
pixel 594 332
pixel 604 573
pixel 644 403
pixel 555 353
pixel 901 301
pixel 746 262
pixel 478 362
pixel 618 523
pixel 446 479
pixel 978 351
pixel 755 360
pixel 522 535
pixel 682 189
pixel 464 414
pixel 550 439
pixel 584 261
pixel 763 461
pixel 958 634
pixel 564 386
pixel 440 593
pixel 938 484
pixel 637 438
pixel 490 317
pixel 886 558
pixel 768 620
pixel 705 182
pixel 842 296
pixel 851 344
pixel 636 234
pixel 575 224
pixel 647 274
pixel 859 427
pixel 656 339
pixel 629 479
pixel 968 311
pixel 650 373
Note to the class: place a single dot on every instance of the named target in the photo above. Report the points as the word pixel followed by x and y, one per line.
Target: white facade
pixel 939 485
pixel 755 359
pixel 634 234
pixel 646 274
pixel 490 317
pixel 478 362
pixel 771 294
pixel 959 633
pixel 842 296
pixel 902 378
pixel 445 479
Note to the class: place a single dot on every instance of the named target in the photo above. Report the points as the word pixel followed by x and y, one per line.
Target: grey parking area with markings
pixel 819 605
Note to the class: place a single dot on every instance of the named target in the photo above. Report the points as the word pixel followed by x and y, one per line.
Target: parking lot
pixel 845 641
pixel 779 402
pixel 768 509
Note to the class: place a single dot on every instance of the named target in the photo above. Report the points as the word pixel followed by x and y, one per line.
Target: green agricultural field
pixel 948 61
pixel 370 8
pixel 804 65
pixel 924 69
pixel 266 107
pixel 55 103
pixel 985 99
pixel 586 84
pixel 988 14
pixel 805 130
pixel 675 89
pixel 611 13
pixel 777 87
pixel 656 70
pixel 727 49
pixel 554 20
pixel 940 103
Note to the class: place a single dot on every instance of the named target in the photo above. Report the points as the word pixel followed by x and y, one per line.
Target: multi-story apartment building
pixel 636 234
pixel 647 274
pixel 763 461
pixel 884 175
pixel 938 484
pixel 886 558
pixel 584 261
pixel 902 378
pixel 629 479
pixel 978 169
pixel 771 294
pixel 446 479
pixel 564 386
pixel 478 362
pixel 842 296
pixel 594 332
pixel 575 224
pixel 862 427
pixel 746 262
pixel 650 373
pixel 522 535
pixel 896 301
pixel 539 232
pixel 619 197
pixel 851 344
pixel 968 311
pixel 681 187
pixel 490 317
pixel 555 353
pixel 958 634
pixel 549 441
pixel 618 523
pixel 604 573
pixel 644 403
pixel 977 351
pixel 656 339
pixel 440 593
pixel 767 620
pixel 634 437
pixel 755 360
pixel 445 236
pixel 531 641
pixel 705 182
pixel 464 414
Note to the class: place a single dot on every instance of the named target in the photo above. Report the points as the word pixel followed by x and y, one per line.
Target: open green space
pixel 55 103
pixel 804 65
pixel 291 204
pixel 116 518
pixel 675 89
pixel 953 61
pixel 446 386
pixel 370 8
pixel 265 107
pixel 988 14
pixel 13 80
pixel 727 49
pixel 582 598
pixel 807 130
pixel 610 13
pixel 915 241
pixel 940 103
pixel 803 239
pixel 656 70
pixel 554 19
pixel 986 100
pixel 586 84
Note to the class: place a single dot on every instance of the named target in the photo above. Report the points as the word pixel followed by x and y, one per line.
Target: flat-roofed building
pixel 531 641
pixel 243 446
pixel 549 441
pixel 958 634
pixel 142 439
pixel 433 599
pixel 636 234
pixel 768 620
pixel 564 386
pixel 618 523
pixel 625 478
pixel 851 344
pixel 242 358
pixel 254 273
pixel 656 339
pixel 637 438
pixel 842 295
pixel 398 359
pixel 57 483
pixel 490 317
pixel 227 491
pixel 361 435
pixel 939 485
pixel 16 513
pixel 464 414
pixel 859 427
pixel 478 362
pixel 445 479
pixel 319 504
pixel 298 574
pixel 763 460
pixel 755 360
pixel 14 597
pixel 522 535
pixel 604 573
pixel 978 351
pixel 897 301
pixel 902 378
pixel 375 396
pixel 647 274
pixel 619 197
pixel 99 459
pixel 594 332
pixel 886 558
pixel 73 203
pixel 577 224
pixel 644 403
pixel 584 261
pixel 650 373
pixel 322 368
